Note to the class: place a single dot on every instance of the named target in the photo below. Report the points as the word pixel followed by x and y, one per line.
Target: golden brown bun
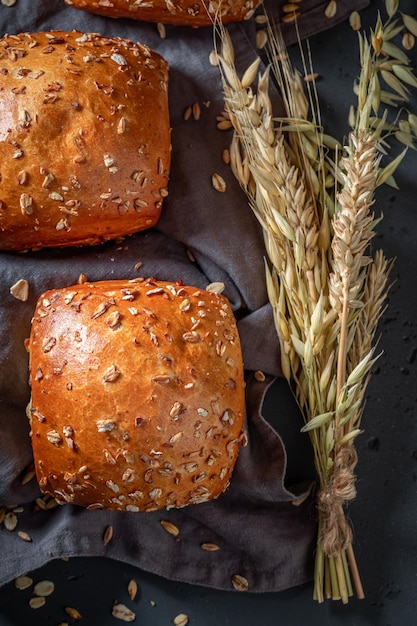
pixel 181 12
pixel 84 139
pixel 137 394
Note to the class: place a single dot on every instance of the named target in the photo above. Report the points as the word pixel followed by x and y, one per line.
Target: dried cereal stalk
pixel 314 200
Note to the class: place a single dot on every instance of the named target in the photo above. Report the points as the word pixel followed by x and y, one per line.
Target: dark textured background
pixel 384 515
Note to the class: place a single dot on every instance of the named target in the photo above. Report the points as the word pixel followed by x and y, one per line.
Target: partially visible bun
pixel 85 141
pixel 137 394
pixel 180 12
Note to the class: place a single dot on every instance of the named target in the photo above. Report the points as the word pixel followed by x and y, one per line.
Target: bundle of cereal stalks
pixel 314 198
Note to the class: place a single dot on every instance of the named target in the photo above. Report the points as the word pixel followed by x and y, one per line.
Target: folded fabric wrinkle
pixel 203 236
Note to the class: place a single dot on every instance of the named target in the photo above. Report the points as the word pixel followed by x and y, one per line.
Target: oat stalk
pixel 314 199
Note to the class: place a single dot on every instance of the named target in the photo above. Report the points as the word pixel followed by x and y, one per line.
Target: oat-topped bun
pixel 180 12
pixel 84 139
pixel 137 394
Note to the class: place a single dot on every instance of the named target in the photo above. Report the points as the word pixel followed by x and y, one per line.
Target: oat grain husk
pixel 314 197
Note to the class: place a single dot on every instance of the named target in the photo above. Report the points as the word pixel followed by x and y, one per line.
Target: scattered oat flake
pixel 132 589
pixel 24 536
pixel 170 528
pixel 20 290
pixel 181 619
pixel 8 3
pixel 259 376
pixel 218 183
pixel 37 602
pixel 216 287
pixel 152 602
pixel 73 613
pixel 23 582
pixel 122 612
pixel 240 583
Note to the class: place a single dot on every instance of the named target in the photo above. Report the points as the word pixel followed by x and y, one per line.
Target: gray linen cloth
pixel 261 534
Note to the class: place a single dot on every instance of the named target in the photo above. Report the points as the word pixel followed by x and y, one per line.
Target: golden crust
pixel 137 394
pixel 180 12
pixel 81 157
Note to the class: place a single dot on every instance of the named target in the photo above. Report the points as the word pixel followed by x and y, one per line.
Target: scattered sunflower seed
pixel 331 9
pixel 20 290
pixel 210 547
pixel 355 20
pixel 132 589
pixel 44 588
pixel 261 39
pixel 213 58
pixel 408 41
pixel 108 534
pixel 181 620
pixel 240 583
pixel 309 78
pixel 290 17
pixel 298 501
pixel 28 476
pixel 24 536
pixel 23 582
pixel 10 521
pixel 122 612
pixel 37 602
pixel 161 30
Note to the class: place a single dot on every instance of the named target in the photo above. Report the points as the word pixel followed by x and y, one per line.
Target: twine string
pixel 335 531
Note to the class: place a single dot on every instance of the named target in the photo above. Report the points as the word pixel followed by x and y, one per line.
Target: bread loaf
pixel 84 139
pixel 137 394
pixel 181 12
